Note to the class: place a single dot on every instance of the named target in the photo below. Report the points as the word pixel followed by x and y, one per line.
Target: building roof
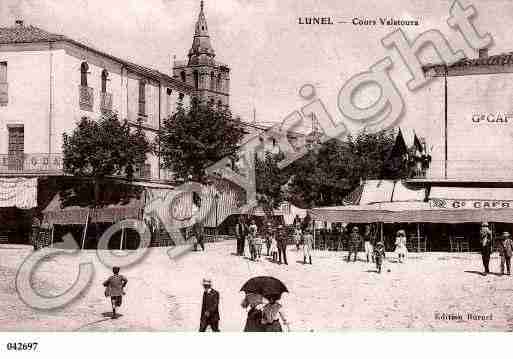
pixel 498 59
pixel 20 34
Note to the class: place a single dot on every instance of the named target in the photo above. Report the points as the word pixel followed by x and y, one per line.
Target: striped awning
pixel 408 212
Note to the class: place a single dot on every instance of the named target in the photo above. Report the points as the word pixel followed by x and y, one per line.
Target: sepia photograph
pixel 237 166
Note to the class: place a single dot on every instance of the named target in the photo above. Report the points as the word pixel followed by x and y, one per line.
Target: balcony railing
pixel 105 102
pixel 4 95
pixel 86 98
pixel 31 163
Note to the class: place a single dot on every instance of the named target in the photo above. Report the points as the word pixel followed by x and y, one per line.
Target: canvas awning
pixel 56 213
pixel 408 212
pixel 18 192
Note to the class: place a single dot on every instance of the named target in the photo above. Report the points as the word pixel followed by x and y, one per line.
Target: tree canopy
pixel 325 175
pixel 195 138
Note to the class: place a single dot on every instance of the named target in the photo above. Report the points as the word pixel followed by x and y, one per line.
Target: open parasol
pixel 265 286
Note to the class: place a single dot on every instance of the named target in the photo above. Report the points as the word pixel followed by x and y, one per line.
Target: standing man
pixel 486 246
pixel 209 307
pixel 505 248
pixel 240 233
pixel 198 232
pixel 354 243
pixel 281 237
pixel 367 244
pixel 307 245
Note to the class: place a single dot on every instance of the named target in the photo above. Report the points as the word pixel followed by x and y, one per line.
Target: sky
pixel 271 56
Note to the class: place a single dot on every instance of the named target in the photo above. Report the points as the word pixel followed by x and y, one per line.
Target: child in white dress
pixel 400 245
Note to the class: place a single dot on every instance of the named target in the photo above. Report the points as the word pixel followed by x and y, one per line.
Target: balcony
pixel 4 95
pixel 105 102
pixel 31 163
pixel 86 98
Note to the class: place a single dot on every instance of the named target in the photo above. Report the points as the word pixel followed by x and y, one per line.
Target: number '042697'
pixel 22 346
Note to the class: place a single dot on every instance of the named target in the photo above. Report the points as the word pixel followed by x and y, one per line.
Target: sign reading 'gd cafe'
pixel 469 204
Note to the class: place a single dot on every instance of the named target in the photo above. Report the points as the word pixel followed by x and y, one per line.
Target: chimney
pixel 19 23
pixel 483 53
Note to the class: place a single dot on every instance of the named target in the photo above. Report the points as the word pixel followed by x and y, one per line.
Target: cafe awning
pixel 444 205
pixel 57 213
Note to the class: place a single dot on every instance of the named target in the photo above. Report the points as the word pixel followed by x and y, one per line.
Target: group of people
pixel 504 247
pixel 250 239
pixel 263 314
pixel 375 248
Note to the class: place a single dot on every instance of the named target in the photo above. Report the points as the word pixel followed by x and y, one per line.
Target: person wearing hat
pixel 354 243
pixel 240 232
pixel 400 245
pixel 307 245
pixel 486 246
pixel 281 240
pixel 505 248
pixel 209 307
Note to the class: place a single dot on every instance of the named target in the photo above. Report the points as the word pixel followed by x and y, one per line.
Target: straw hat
pixel 401 232
pixel 207 281
pixel 484 224
pixel 506 235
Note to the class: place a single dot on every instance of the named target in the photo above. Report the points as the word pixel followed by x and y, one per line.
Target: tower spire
pixel 201 51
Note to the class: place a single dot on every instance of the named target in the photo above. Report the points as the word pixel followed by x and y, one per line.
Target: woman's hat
pixel 506 235
pixel 401 232
pixel 484 224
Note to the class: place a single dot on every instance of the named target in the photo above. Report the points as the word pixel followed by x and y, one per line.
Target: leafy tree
pixel 270 181
pixel 326 175
pixel 98 149
pixel 193 139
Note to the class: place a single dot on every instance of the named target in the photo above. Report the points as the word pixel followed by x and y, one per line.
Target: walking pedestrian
pixel 272 314
pixel 274 247
pixel 367 244
pixel 268 235
pixel 209 307
pixel 505 248
pixel 255 315
pixel 198 232
pixel 354 243
pixel 379 254
pixel 281 238
pixel 297 236
pixel 307 245
pixel 240 233
pixel 400 245
pixel 114 288
pixel 486 246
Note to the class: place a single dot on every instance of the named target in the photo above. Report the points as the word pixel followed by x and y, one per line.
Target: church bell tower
pixel 210 78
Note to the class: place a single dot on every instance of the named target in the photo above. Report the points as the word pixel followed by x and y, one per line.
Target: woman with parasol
pixel 271 289
pixel 254 320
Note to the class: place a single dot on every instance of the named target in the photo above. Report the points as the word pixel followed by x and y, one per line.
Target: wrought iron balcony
pixel 86 98
pixel 31 163
pixel 105 102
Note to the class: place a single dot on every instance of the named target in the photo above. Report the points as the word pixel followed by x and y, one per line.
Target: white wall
pixel 28 77
pixel 30 68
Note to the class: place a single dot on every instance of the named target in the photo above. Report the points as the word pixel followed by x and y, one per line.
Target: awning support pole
pixel 418 237
pixel 85 230
pixel 313 223
pixel 51 237
pixel 122 238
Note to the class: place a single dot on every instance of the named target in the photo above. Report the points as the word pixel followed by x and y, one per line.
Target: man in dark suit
pixel 240 233
pixel 209 307
pixel 198 231
pixel 281 239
